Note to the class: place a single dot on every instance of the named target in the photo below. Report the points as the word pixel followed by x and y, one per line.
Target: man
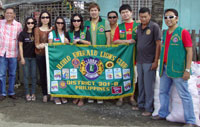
pixel 98 27
pixel 112 18
pixel 99 30
pixel 175 63
pixel 9 31
pixel 125 33
pixel 148 52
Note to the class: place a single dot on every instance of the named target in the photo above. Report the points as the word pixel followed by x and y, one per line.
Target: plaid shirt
pixel 9 38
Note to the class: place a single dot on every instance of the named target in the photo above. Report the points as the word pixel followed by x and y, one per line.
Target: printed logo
pixel 54 86
pixel 175 39
pixel 126 73
pixel 127 85
pixel 62 84
pixel 75 62
pixel 101 28
pixel 116 90
pixel 82 35
pixel 109 64
pixel 91 68
pixel 57 74
pixel 56 39
pixel 121 31
pixel 148 32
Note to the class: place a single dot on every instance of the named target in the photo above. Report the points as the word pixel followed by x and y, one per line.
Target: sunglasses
pixel 43 17
pixel 112 17
pixel 59 22
pixel 28 23
pixel 76 20
pixel 170 17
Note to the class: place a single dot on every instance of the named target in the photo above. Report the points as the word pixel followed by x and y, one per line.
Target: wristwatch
pixel 187 70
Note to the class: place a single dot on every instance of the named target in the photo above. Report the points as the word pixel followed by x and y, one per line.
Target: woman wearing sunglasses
pixel 78 35
pixel 59 35
pixel 27 54
pixel 41 38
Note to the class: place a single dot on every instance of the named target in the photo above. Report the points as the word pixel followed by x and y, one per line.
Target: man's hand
pixel 154 66
pixel 131 41
pixel 22 61
pixel 186 75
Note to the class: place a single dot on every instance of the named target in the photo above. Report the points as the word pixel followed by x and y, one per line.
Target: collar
pixel 148 26
pixel 13 23
pixel 100 19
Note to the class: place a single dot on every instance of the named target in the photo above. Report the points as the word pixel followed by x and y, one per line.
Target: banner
pixel 95 72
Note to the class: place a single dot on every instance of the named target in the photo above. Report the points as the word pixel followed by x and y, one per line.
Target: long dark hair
pixel 25 26
pixel 40 23
pixel 72 26
pixel 64 26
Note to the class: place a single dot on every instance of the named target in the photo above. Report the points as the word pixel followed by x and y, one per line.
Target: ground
pixel 19 113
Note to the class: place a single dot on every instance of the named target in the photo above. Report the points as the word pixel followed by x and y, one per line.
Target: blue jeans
pixel 11 65
pixel 182 89
pixel 29 69
pixel 146 81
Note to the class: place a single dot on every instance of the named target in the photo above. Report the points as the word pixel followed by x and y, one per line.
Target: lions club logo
pixel 91 68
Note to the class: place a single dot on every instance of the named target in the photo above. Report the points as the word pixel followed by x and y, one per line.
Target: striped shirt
pixel 8 38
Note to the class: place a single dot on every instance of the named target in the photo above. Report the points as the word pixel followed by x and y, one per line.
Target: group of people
pixel 174 52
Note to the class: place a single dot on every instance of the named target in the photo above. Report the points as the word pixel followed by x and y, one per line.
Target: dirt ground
pixel 19 113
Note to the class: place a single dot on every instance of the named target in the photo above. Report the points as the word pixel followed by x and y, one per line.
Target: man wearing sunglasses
pixel 148 52
pixel 99 28
pixel 9 32
pixel 175 63
pixel 112 18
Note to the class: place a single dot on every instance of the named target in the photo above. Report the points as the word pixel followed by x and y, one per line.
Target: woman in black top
pixel 27 54
pixel 78 35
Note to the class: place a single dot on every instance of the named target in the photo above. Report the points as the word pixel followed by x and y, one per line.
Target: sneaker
pixel 157 117
pixel 90 101
pixel 28 97
pixel 64 101
pixel 99 101
pixel 45 99
pixel 57 101
pixel 33 97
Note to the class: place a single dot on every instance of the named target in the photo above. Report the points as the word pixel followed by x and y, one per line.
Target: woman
pixel 27 55
pixel 78 35
pixel 59 35
pixel 41 38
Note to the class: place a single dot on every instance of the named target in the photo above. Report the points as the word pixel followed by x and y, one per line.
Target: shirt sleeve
pixel 88 35
pixel 157 32
pixel 116 35
pixel 50 35
pixel 186 38
pixel 107 26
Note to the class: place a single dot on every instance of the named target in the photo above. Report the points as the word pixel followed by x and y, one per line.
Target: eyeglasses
pixel 60 23
pixel 170 17
pixel 43 17
pixel 112 17
pixel 76 20
pixel 28 23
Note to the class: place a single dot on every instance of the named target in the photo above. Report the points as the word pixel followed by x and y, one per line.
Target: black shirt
pixel 28 44
pixel 77 36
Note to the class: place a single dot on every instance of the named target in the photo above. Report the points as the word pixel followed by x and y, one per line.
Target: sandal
pixel 80 103
pixel 75 101
pixel 119 103
pixel 146 114
pixel 45 99
pixel 135 108
pixel 57 101
pixel 133 102
pixel 64 101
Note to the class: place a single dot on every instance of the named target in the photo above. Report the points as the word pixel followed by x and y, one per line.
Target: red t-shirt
pixel 129 27
pixel 187 42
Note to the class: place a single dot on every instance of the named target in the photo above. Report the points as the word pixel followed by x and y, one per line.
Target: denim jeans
pixel 146 81
pixel 11 65
pixel 182 89
pixel 29 69
pixel 41 62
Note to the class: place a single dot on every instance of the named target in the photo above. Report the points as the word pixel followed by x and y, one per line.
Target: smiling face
pixel 59 24
pixel 170 19
pixel 94 13
pixel 30 24
pixel 45 18
pixel 112 18
pixel 76 22
pixel 126 15
pixel 9 15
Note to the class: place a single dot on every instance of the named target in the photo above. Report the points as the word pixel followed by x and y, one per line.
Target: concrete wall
pixel 188 10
